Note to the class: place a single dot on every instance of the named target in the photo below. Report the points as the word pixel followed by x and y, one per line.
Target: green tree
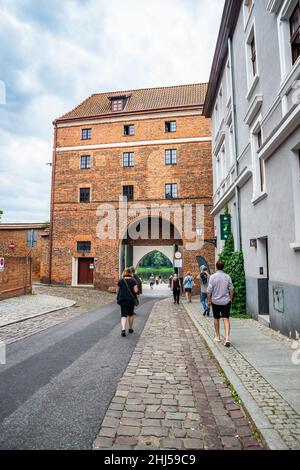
pixel 1 214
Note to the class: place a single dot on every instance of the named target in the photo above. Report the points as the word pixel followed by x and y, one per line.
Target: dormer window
pixel 118 103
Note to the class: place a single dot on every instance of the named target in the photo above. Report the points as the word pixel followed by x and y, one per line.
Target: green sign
pixel 225 226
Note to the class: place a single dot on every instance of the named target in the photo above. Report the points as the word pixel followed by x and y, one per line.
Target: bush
pixel 234 266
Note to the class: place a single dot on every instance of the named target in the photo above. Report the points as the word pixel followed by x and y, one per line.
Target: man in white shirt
pixel 219 295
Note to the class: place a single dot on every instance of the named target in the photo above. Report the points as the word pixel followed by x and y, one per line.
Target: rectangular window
pixel 253 56
pixel 85 162
pixel 83 247
pixel 84 195
pixel 171 191
pixel 128 192
pixel 128 159
pixel 170 126
pixel 117 104
pixel 295 33
pixel 171 157
pixel 86 134
pixel 32 238
pixel 129 129
pixel 261 163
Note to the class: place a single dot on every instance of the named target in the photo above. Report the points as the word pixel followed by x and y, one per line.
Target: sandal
pixel 130 330
pixel 123 333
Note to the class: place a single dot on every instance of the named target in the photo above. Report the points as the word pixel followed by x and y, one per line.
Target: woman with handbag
pixel 127 291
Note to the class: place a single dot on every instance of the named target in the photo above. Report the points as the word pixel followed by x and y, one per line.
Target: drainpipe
pixel 52 201
pixel 235 141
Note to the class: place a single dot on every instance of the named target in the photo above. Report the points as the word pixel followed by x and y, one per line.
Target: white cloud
pixel 61 54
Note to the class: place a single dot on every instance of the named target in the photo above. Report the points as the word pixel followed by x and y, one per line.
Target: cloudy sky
pixel 55 53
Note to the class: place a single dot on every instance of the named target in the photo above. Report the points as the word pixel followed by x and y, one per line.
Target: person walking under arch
pixel 127 291
pixel 219 295
pixel 138 280
pixel 176 288
pixel 188 285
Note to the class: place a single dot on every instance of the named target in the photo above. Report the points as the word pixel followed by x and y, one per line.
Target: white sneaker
pixel 217 340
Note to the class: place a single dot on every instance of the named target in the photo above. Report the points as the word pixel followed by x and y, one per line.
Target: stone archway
pixel 140 252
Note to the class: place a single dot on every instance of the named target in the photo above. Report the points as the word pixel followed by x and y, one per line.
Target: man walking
pixel 219 296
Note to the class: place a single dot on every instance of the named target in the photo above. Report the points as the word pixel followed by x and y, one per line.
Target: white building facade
pixel 254 102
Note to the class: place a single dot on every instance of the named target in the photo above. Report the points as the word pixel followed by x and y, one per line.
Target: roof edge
pixel 23 225
pixel 228 23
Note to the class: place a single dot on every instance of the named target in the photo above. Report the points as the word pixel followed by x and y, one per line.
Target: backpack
pixel 203 278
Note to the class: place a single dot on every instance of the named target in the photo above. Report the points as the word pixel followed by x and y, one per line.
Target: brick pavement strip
pixel 175 397
pixel 279 415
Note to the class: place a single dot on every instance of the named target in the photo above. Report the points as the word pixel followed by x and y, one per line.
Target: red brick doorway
pixel 86 271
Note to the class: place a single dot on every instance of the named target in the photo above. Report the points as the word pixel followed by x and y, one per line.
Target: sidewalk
pixel 259 366
pixel 29 306
pixel 171 395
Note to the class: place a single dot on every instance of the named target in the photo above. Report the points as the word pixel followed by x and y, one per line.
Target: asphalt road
pixel 57 384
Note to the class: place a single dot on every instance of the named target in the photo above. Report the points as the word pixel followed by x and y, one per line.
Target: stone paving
pixel 82 300
pixel 172 395
pixel 30 306
pixel 280 415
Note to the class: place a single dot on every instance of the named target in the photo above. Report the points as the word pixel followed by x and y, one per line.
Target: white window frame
pixel 252 80
pixel 284 35
pixel 258 194
pixel 247 12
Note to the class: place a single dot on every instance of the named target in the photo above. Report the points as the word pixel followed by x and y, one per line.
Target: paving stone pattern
pixel 172 395
pixel 282 417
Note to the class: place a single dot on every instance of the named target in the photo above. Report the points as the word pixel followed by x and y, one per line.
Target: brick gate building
pixel 149 146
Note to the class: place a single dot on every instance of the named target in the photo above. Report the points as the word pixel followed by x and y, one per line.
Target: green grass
pixel 164 272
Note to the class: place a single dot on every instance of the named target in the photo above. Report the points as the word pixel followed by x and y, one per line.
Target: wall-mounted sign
pixel 178 255
pixel 91 266
pixel 253 243
pixel 2 264
pixel 225 221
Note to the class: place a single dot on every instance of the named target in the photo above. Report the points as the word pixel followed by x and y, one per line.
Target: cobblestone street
pixel 85 300
pixel 172 395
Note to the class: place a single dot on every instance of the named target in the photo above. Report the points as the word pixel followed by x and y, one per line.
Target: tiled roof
pixel 149 99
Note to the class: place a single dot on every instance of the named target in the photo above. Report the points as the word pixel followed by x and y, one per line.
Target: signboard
pixel 225 220
pixel 178 255
pixel 1 264
pixel 178 263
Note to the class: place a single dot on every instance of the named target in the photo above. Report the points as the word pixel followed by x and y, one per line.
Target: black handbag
pixel 135 299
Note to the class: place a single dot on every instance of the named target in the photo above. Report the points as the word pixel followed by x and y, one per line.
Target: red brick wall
pixel 16 278
pixel 19 237
pixel 74 222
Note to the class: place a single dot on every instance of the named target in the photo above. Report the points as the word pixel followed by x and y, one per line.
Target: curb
pixel 270 436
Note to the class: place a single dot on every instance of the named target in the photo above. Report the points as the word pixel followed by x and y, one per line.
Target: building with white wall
pixel 254 101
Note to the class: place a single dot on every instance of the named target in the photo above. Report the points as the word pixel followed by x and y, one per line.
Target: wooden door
pixel 85 270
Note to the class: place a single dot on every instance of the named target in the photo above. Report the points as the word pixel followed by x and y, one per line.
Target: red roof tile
pixel 149 99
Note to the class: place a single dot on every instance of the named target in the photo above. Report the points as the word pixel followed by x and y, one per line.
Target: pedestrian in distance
pixel 219 296
pixel 188 285
pixel 138 280
pixel 151 281
pixel 204 280
pixel 127 291
pixel 157 280
pixel 176 287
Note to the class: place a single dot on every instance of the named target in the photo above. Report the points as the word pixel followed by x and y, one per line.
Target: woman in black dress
pixel 127 291
pixel 176 286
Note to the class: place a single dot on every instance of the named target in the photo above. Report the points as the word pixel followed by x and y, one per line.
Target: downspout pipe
pixel 235 146
pixel 52 201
